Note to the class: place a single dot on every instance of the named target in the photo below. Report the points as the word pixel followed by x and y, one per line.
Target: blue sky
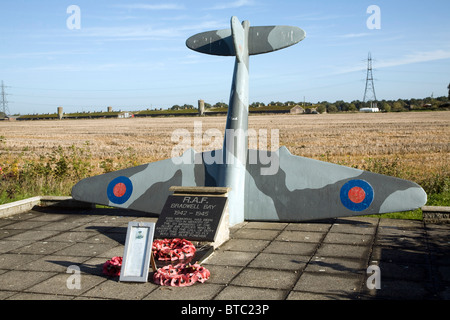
pixel 131 55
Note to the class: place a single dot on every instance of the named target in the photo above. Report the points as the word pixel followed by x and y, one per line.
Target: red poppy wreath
pixel 112 267
pixel 173 249
pixel 181 275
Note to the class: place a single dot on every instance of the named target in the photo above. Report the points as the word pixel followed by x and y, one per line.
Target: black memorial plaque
pixel 190 217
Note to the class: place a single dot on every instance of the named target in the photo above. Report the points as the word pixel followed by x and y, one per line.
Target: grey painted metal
pixel 300 189
pixel 306 189
pixel 260 40
pixel 235 145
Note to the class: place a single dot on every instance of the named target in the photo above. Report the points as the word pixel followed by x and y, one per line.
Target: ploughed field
pixel 412 144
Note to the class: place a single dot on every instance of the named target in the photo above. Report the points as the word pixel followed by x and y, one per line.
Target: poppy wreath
pixel 112 267
pixel 181 275
pixel 173 249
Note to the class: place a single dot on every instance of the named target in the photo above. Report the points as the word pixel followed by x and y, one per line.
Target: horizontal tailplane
pixel 260 40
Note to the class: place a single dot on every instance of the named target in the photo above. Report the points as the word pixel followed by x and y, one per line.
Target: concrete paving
pixel 325 260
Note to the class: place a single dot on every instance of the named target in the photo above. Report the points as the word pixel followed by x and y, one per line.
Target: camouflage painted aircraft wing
pixel 299 189
pixel 143 188
pixel 306 189
pixel 146 188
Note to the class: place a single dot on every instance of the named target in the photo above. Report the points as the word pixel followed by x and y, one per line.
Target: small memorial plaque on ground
pixel 193 217
pixel 137 252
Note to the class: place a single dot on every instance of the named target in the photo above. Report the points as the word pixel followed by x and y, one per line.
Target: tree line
pixel 399 105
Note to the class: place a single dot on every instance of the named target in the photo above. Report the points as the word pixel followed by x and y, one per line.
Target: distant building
pixel 125 114
pixel 311 111
pixel 369 110
pixel 60 113
pixel 8 118
pixel 201 107
pixel 297 110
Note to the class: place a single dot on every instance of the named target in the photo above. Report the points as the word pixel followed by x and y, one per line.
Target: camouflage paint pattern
pixel 307 189
pixel 235 144
pixel 300 189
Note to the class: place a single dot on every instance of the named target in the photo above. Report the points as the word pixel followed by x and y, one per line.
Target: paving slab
pixel 344 251
pixel 223 274
pixel 58 284
pixel 52 263
pixel 332 265
pixel 301 236
pixel 206 291
pixel 297 248
pixel 277 261
pixel 16 280
pixel 249 233
pixel 113 289
pixel 319 260
pixel 338 285
pixel 231 258
pixel 266 278
pixel 237 292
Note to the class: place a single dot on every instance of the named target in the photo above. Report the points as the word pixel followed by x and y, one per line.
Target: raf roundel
pixel 120 190
pixel 356 195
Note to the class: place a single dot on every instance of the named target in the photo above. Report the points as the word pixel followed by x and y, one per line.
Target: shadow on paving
pixel 412 265
pixel 317 260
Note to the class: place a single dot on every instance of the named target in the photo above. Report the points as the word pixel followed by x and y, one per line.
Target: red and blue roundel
pixel 120 190
pixel 357 195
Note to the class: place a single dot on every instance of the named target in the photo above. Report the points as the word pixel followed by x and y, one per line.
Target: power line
pixel 81 90
pixel 369 93
pixel 4 102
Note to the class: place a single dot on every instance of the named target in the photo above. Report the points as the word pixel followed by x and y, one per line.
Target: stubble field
pixel 413 145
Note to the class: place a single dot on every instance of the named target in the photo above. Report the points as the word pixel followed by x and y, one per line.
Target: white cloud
pixel 145 6
pixel 232 5
pixel 354 35
pixel 103 67
pixel 48 54
pixel 147 31
pixel 416 57
pixel 321 16
pixel 137 32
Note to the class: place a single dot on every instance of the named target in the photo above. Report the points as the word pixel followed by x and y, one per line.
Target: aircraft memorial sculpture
pixel 299 189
